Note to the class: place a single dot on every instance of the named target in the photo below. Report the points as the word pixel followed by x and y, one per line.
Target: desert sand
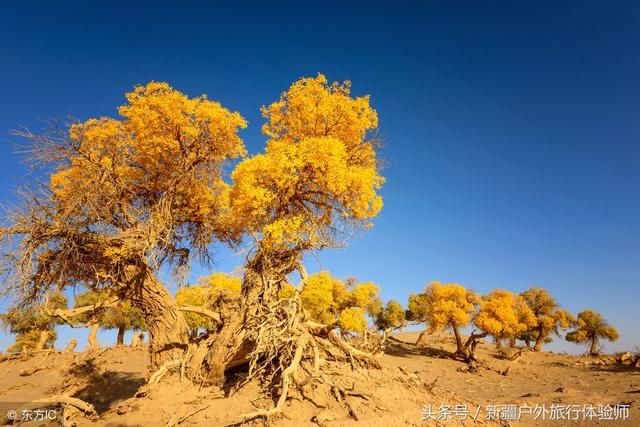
pixel 113 380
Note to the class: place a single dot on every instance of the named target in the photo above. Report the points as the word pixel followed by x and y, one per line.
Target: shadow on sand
pixel 399 348
pixel 104 389
pixel 108 388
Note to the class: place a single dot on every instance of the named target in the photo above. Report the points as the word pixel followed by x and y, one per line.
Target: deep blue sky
pixel 512 129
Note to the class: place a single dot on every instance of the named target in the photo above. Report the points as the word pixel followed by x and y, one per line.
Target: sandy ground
pixel 541 383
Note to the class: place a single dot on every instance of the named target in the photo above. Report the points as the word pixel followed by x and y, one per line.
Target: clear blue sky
pixel 512 129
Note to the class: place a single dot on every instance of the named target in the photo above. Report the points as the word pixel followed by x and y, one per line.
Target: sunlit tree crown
pixel 318 177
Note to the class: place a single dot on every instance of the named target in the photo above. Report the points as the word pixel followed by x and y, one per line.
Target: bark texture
pixel 168 333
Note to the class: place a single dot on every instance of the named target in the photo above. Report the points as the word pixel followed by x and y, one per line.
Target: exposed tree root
pixel 286 379
pixel 33 370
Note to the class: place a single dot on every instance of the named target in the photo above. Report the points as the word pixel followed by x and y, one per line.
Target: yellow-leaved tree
pixel 214 291
pixel 315 184
pixel 332 302
pixel 125 197
pixel 447 305
pixel 504 315
pixel 33 328
pixel 391 316
pixel 590 328
pixel 122 316
pixel 550 318
pixel 131 195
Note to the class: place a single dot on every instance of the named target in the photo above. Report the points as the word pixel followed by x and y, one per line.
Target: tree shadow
pixel 618 368
pixel 103 389
pixel 108 388
pixel 399 348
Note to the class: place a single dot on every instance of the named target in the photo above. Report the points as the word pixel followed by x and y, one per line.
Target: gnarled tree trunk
pixel 539 340
pixel 168 333
pixel 44 336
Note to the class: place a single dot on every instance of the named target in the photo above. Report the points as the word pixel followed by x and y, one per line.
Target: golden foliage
pixel 328 300
pixel 591 325
pixel 318 175
pixel 365 296
pixel 210 288
pixel 504 314
pixel 166 142
pixel 29 340
pixel 392 316
pixel 216 282
pixel 29 322
pixel 323 296
pixel 142 190
pixel 549 316
pixel 443 305
pixel 196 296
pixel 352 319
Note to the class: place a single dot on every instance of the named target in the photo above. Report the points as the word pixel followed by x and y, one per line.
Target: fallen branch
pixel 202 311
pixel 162 370
pixel 66 314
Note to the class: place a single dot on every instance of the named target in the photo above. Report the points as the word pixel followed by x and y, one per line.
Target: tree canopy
pixel 209 290
pixel 32 324
pixel 504 314
pixel 330 301
pixel 590 328
pixel 140 190
pixel 445 305
pixel 122 316
pixel 550 318
pixel 392 316
pixel 318 176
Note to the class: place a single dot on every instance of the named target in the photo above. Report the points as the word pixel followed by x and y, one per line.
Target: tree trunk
pixel 93 340
pixel 44 336
pixel 459 345
pixel 539 341
pixel 121 331
pixel 512 342
pixel 527 342
pixel 593 351
pixel 498 344
pixel 168 333
pixel 422 339
pixel 136 339
pixel 469 350
pixel 71 346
